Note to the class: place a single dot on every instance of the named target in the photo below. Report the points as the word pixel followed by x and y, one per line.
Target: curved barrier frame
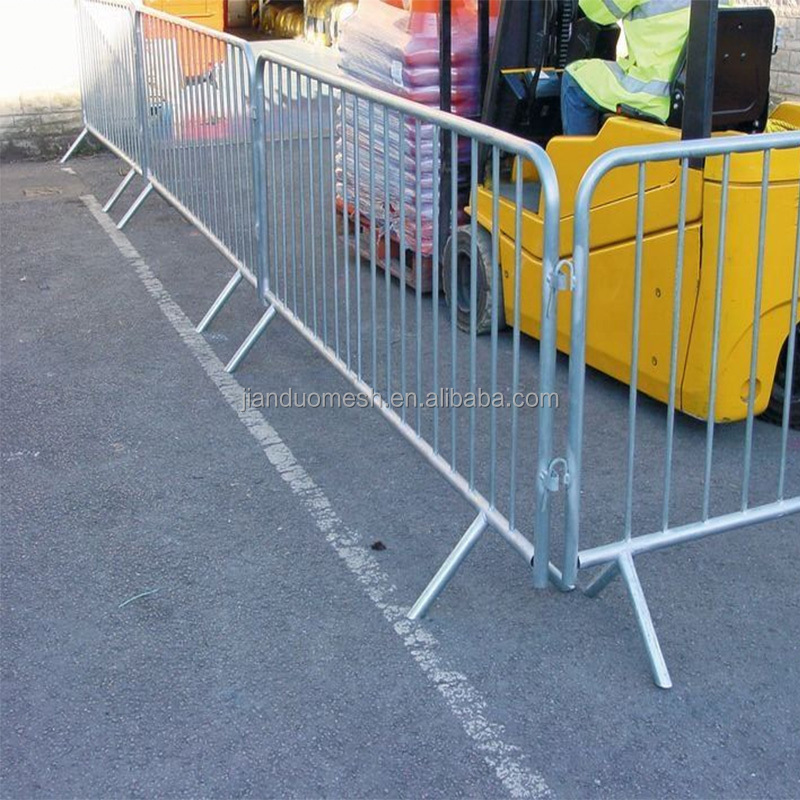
pixel 617 558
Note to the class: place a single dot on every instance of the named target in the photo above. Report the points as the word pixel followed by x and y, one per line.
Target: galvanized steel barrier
pixel 337 157
pixel 200 138
pixel 784 270
pixel 306 180
pixel 110 78
pixel 198 149
pixel 172 99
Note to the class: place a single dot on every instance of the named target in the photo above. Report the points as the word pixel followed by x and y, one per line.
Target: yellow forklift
pixel 524 99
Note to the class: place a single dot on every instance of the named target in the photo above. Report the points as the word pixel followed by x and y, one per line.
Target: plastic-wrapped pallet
pixel 398 51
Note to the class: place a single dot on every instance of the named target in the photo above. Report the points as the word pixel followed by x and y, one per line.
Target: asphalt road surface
pixel 192 605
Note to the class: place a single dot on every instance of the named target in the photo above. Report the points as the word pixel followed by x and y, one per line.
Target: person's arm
pixel 607 12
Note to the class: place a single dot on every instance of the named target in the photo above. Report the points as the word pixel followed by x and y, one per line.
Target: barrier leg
pixel 74 146
pixel 602 580
pixel 448 568
pixel 222 298
pixel 251 339
pixel 645 621
pixel 119 190
pixel 137 204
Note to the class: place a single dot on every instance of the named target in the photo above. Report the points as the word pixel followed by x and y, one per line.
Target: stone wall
pixel 785 84
pixel 39 95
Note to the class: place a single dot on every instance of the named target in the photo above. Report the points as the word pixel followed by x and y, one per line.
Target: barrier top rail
pixel 671 151
pixel 228 38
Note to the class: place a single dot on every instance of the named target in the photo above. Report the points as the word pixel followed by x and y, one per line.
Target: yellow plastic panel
pixel 611 223
pixel 210 13
pixel 573 155
pixel 610 305
pixel 614 201
pixel 784 165
pixel 738 298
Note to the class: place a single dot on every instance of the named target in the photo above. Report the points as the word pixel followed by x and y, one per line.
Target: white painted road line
pixel 464 700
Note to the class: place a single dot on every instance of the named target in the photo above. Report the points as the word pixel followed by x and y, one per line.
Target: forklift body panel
pixel 612 265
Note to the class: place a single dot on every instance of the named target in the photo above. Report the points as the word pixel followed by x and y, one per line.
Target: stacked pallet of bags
pixel 397 50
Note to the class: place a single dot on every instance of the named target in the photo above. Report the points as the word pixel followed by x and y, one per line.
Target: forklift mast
pixel 536 40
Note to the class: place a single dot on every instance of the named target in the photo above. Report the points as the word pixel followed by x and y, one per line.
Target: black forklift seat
pixel 741 85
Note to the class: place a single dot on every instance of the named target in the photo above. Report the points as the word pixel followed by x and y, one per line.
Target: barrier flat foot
pixel 606 576
pixel 448 568
pixel 556 578
pixel 657 664
pixel 217 305
pixel 137 204
pixel 119 190
pixel 251 339
pixel 74 146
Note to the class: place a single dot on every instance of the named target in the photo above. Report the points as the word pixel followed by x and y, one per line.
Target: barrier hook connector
pixel 557 475
pixel 561 278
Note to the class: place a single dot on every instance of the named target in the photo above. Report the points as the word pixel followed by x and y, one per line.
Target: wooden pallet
pixel 421 272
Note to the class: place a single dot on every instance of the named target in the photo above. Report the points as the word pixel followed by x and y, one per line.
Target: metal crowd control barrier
pixel 618 556
pixel 188 97
pixel 111 88
pixel 350 176
pixel 172 99
pixel 305 180
pixel 200 138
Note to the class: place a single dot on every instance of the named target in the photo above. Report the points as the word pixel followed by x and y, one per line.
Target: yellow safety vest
pixel 655 31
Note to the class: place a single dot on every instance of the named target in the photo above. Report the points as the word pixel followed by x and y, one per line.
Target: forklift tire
pixel 774 412
pixel 483 283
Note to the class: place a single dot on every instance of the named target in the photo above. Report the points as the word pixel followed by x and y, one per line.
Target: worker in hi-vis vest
pixel 655 32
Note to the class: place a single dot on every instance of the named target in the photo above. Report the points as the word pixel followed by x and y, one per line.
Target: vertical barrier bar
pixel 633 391
pixel 418 257
pixel 387 252
pixel 791 346
pixel 473 302
pixel 373 253
pixel 496 278
pixel 751 394
pixel 518 199
pixel 542 569
pixel 258 107
pixel 274 172
pixel 324 252
pixel 403 265
pixel 346 224
pixel 712 385
pixel 576 381
pixel 676 326
pixel 334 243
pixel 304 220
pixel 312 205
pixel 284 232
pixel 357 218
pixel 453 214
pixel 292 187
pixel 436 281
